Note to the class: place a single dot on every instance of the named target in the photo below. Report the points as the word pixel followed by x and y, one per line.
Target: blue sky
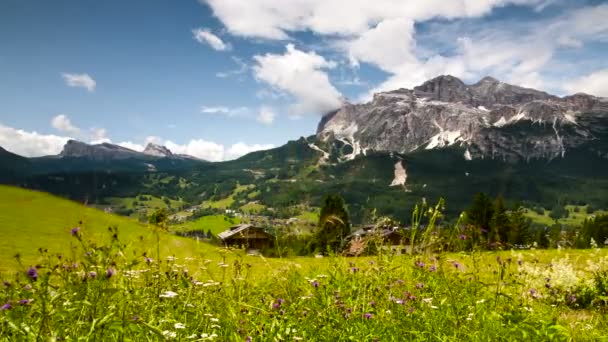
pixel 220 78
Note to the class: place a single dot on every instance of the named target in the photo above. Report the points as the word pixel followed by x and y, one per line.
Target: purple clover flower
pixel 572 299
pixel 419 264
pixel 148 260
pixel 368 316
pixel 32 272
pixel 75 231
pixel 462 237
pixel 432 268
pixel 248 339
pixel 315 284
pixel 6 306
pixel 372 303
pixel 457 265
pixel 110 272
pixel 354 269
pixel 25 301
pixel 92 274
pixel 419 286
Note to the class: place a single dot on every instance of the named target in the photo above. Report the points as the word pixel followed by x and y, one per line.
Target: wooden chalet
pixel 246 236
pixel 393 238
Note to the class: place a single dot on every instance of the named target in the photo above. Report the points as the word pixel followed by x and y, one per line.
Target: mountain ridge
pixel 445 111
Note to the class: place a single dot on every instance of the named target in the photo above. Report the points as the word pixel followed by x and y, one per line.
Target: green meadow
pixel 107 282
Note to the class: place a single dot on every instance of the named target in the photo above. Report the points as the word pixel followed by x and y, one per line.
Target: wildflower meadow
pixel 99 293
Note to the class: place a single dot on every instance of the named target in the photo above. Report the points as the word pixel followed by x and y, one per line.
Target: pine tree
pixel 479 215
pixel 333 226
pixel 499 224
pixel 519 233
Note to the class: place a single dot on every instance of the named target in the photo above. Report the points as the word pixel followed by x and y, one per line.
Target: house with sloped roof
pixel 394 238
pixel 246 236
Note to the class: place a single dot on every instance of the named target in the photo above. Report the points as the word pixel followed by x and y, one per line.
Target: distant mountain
pixel 77 157
pixel 490 119
pixel 100 152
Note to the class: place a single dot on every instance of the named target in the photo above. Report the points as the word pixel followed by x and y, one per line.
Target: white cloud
pixel 266 115
pixel 382 34
pixel 30 144
pixel 131 145
pixel 595 83
pixel 301 75
pixel 240 149
pixel 205 36
pixel 63 124
pixel 80 80
pixel 227 111
pixel 388 45
pixel 214 110
pixel 212 151
pixel 99 136
pixel 199 148
pixel 276 19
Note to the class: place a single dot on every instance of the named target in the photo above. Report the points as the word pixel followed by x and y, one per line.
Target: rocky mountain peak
pixel 157 151
pixel 443 88
pixel 104 151
pixel 488 119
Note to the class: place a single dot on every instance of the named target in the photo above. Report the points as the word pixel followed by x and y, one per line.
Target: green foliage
pixel 558 212
pixel 159 218
pixel 519 228
pixel 333 226
pixel 481 212
pixel 499 223
pixel 112 295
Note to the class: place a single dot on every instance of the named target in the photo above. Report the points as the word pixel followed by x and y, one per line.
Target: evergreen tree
pixel 499 224
pixel 519 232
pixel 479 215
pixel 333 226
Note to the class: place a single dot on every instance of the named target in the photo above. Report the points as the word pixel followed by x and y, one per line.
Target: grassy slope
pixel 216 223
pixel 151 205
pixel 574 218
pixel 30 220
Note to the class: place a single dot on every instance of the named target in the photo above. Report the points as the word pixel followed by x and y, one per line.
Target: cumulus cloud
pixel 80 80
pixel 266 115
pixel 99 136
pixel 240 149
pixel 205 36
pixel 30 144
pixel 595 83
pixel 276 19
pixel 301 75
pixel 388 45
pixel 63 124
pixel 382 33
